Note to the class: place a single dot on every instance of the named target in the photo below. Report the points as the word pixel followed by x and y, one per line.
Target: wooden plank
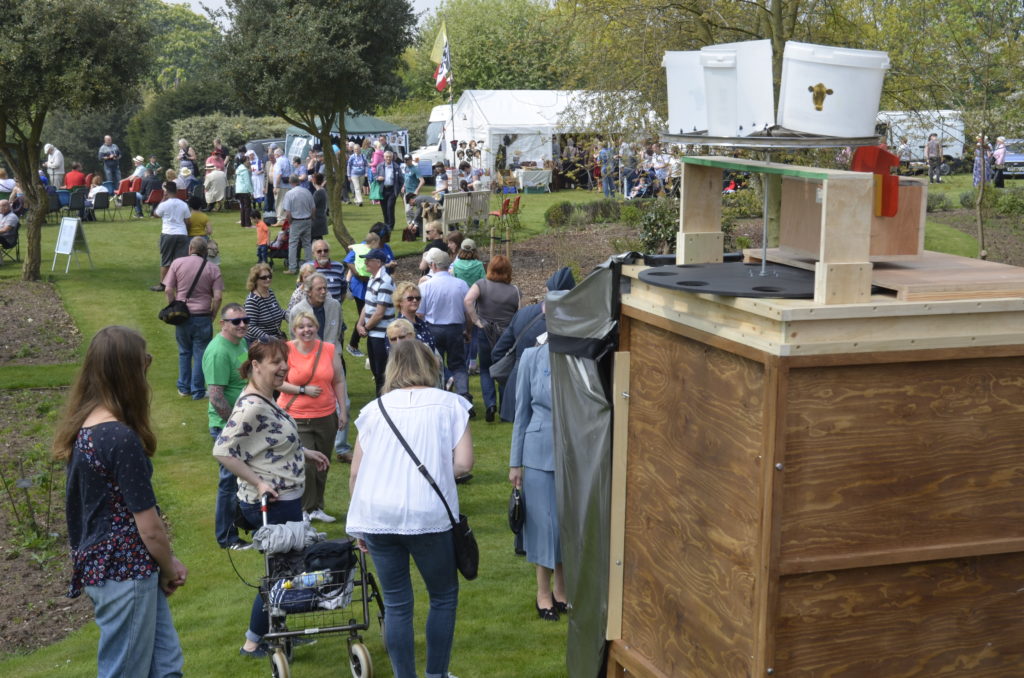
pixel 765 167
pixel 895 456
pixel 699 248
pixel 950 617
pixel 692 513
pixel 902 234
pixel 842 283
pixel 700 200
pixel 894 556
pixel 623 659
pixel 617 517
pixel 800 216
pixel 846 220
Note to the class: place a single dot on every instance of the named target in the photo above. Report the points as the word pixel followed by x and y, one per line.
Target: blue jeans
pixel 434 555
pixel 227 501
pixel 452 347
pixel 193 335
pixel 278 512
pixel 112 170
pixel 487 383
pixel 608 184
pixel 137 636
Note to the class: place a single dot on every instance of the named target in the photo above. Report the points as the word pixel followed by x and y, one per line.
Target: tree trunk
pixel 334 168
pixel 24 160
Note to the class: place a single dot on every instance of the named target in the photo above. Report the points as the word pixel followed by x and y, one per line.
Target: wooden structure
pixel 809 489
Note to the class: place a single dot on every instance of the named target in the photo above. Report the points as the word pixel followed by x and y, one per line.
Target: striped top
pixel 378 293
pixel 335 274
pixel 265 316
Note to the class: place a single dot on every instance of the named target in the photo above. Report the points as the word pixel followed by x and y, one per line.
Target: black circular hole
pixel 652 273
pixel 691 283
pixel 766 288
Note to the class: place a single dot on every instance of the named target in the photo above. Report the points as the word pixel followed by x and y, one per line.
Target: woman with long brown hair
pixel 120 551
pixel 490 304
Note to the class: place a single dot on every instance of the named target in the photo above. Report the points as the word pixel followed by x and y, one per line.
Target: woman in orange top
pixel 311 393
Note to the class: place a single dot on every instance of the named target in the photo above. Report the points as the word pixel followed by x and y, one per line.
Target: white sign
pixel 70 241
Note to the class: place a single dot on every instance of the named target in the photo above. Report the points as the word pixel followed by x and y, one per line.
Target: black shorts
pixel 172 247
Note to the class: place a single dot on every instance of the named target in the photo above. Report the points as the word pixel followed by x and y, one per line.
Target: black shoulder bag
pixel 501 369
pixel 467 553
pixel 176 312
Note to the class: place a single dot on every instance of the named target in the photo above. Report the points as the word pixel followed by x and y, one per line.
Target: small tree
pixel 309 61
pixel 60 54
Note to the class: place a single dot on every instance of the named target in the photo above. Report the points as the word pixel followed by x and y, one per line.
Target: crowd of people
pixel 281 371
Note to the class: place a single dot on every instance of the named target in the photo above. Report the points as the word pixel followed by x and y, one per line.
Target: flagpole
pixel 451 88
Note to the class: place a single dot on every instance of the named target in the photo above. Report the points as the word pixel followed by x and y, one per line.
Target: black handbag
pixel 516 511
pixel 176 312
pixel 467 553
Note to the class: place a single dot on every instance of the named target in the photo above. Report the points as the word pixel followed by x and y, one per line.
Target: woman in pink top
pixel 311 395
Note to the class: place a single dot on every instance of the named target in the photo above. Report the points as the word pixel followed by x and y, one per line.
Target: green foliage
pixel 604 211
pixel 743 204
pixel 495 44
pixel 939 202
pixel 186 47
pixel 1010 202
pixel 630 215
pixel 559 215
pixel 232 130
pixel 659 225
pixel 969 198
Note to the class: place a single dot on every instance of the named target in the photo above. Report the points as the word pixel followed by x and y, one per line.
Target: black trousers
pixel 387 206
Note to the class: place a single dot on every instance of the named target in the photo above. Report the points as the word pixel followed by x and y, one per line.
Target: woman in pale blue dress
pixel 532 468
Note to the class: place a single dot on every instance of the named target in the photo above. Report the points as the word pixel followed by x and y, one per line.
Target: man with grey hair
pixel 8 225
pixel 110 155
pixel 442 308
pixel 54 165
pixel 198 283
pixel 298 207
pixel 323 307
pixel 282 185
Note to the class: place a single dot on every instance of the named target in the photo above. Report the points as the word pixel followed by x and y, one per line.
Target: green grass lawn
pixel 498 633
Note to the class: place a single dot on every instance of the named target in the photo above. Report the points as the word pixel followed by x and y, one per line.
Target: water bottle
pixel 308 580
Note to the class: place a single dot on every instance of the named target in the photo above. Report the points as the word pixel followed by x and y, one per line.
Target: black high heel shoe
pixel 546 613
pixel 560 607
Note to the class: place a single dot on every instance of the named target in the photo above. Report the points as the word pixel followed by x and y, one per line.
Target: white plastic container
pixel 738 82
pixel 833 91
pixel 687 112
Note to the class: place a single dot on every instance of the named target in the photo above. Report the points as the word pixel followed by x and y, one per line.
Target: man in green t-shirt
pixel 224 355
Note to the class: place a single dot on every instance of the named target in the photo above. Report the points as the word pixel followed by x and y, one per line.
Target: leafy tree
pixel 327 56
pixel 59 55
pixel 150 130
pixel 79 133
pixel 187 45
pixel 495 44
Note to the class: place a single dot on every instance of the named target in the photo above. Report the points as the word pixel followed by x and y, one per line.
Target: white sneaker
pixel 367 365
pixel 305 517
pixel 318 514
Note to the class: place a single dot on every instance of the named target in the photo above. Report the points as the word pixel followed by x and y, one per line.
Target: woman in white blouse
pixel 394 512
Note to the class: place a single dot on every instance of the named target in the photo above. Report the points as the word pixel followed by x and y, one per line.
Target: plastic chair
pixel 154 198
pixel 76 203
pixel 53 205
pixel 129 200
pixel 496 218
pixel 64 195
pixel 124 187
pixel 9 243
pixel 101 202
pixel 88 179
pixel 182 194
pixel 136 186
pixel 513 213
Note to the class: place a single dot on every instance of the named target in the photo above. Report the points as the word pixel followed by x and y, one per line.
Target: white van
pixel 915 127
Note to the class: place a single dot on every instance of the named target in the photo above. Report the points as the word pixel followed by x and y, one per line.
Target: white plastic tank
pixel 833 91
pixel 687 112
pixel 720 81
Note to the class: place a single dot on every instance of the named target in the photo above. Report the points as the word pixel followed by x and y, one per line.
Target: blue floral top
pixel 264 436
pixel 108 481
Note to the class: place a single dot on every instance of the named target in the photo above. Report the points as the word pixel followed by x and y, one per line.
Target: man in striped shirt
pixel 377 313
pixel 334 271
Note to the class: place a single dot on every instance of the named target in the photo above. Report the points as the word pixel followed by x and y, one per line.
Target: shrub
pixel 939 202
pixel 1010 202
pixel 659 226
pixel 232 130
pixel 558 215
pixel 743 204
pixel 968 198
pixel 630 215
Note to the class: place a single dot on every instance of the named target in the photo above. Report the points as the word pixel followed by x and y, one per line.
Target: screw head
pixel 779 466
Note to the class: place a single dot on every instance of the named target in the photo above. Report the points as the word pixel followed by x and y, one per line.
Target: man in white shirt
pixel 378 312
pixel 176 217
pixel 443 310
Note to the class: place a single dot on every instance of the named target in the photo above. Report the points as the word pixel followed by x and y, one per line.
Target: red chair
pixel 499 217
pixel 513 213
pixel 136 185
pixel 154 198
pixel 182 194
pixel 88 179
pixel 123 187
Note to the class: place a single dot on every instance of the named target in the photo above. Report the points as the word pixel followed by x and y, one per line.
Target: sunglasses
pixel 237 321
pixel 264 277
pixel 320 251
pixel 413 298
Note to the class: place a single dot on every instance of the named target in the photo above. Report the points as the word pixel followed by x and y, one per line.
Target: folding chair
pixel 136 186
pixel 513 213
pixel 76 204
pixel 101 202
pixel 154 198
pixel 182 194
pixel 88 179
pixel 9 243
pixel 499 217
pixel 129 200
pixel 53 205
pixel 124 187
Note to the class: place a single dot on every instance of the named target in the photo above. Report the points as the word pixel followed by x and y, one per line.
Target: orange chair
pixel 123 187
pixel 182 194
pixel 499 218
pixel 154 198
pixel 513 213
pixel 88 179
pixel 136 185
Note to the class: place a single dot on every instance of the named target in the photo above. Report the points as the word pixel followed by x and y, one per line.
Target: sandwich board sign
pixel 70 240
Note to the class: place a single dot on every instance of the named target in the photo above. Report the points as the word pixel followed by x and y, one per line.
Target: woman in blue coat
pixel 532 468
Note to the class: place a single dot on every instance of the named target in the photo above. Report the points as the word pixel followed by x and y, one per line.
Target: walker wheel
pixel 279 664
pixel 359 661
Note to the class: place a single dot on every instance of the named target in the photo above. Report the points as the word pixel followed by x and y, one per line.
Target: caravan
pixel 906 133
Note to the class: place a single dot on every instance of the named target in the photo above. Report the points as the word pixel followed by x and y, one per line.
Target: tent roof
pixel 511 109
pixel 357 124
